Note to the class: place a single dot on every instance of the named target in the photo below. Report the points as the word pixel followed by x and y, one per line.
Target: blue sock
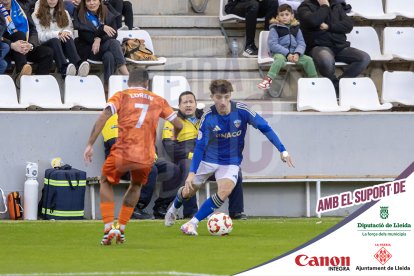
pixel 178 202
pixel 208 207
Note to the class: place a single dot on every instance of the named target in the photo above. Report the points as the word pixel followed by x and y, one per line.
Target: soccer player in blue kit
pixel 218 151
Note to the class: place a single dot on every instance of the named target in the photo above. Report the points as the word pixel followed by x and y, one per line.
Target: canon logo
pixel 303 260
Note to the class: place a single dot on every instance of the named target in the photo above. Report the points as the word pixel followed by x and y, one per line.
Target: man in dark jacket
pixel 23 41
pixel 324 25
pixel 251 10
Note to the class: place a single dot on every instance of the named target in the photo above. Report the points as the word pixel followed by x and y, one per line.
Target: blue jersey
pixel 221 137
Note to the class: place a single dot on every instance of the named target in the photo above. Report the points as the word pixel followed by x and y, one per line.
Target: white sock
pixel 108 225
pixel 122 227
pixel 194 221
pixel 173 209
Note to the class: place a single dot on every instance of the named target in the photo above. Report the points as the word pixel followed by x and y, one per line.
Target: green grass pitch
pixel 72 247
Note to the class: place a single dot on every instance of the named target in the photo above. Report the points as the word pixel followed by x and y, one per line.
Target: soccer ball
pixel 219 224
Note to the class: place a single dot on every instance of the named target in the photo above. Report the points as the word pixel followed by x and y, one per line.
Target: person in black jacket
pixel 21 36
pixel 96 25
pixel 324 24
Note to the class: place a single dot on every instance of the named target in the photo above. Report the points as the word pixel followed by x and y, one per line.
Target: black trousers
pixel 251 10
pixel 40 55
pixel 124 8
pixel 63 51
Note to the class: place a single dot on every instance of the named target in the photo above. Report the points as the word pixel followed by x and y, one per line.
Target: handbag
pixel 135 49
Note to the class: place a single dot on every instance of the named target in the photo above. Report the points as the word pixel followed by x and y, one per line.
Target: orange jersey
pixel 138 112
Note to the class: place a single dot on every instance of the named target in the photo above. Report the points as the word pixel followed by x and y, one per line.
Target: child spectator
pixel 96 24
pixel 286 43
pixel 55 30
pixel 4 48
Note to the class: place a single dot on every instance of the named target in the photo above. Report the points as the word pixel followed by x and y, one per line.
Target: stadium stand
pixel 40 91
pixel 397 41
pixel 8 95
pixel 318 94
pixel 117 83
pixel 366 39
pixel 141 34
pixel 85 92
pixel 397 87
pixel 361 94
pixel 399 8
pixel 369 9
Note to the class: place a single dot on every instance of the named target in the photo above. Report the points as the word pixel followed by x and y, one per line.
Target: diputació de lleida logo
pixel 384 212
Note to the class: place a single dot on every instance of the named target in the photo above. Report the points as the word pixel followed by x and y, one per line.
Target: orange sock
pixel 108 211
pixel 125 214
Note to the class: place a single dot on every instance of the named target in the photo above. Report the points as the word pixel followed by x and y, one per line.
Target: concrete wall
pixel 347 144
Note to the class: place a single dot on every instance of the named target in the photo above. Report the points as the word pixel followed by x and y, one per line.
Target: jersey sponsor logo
pixel 141 95
pixel 237 123
pixel 200 135
pixel 227 135
pixel 216 128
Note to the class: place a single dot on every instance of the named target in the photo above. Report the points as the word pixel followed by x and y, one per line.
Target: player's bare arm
pixel 286 158
pixel 178 126
pixel 96 130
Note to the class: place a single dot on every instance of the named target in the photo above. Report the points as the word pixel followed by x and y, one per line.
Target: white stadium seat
pixel 397 87
pixel 317 94
pixel 361 94
pixel 117 83
pixel 403 8
pixel 369 9
pixel 366 39
pixel 398 41
pixel 87 92
pixel 170 87
pixel 41 91
pixel 8 94
pixel 141 34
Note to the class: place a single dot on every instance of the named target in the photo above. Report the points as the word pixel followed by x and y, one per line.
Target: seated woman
pixel 55 30
pixel 96 25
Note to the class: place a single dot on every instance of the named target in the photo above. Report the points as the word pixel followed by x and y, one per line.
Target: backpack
pixel 15 206
pixel 135 49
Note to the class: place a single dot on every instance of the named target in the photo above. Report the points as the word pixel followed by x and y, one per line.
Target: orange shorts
pixel 115 167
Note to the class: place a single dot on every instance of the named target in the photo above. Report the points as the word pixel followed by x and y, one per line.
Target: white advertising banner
pixel 377 239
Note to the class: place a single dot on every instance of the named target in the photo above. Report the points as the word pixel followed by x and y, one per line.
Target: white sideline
pixel 117 273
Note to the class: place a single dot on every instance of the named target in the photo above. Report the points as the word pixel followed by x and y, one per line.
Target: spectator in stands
pixel 124 8
pixel 181 150
pixel 286 43
pixel 324 24
pixel 162 170
pixel 96 24
pixel 21 35
pixel 251 10
pixel 71 6
pixel 4 48
pixel 55 30
pixel 294 4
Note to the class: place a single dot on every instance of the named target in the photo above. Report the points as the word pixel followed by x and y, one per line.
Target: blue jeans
pixel 4 49
pixel 325 58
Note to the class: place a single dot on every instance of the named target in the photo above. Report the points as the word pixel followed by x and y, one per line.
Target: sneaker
pixel 123 28
pixel 251 51
pixel 170 218
pixel 136 28
pixel 83 69
pixel 189 229
pixel 109 234
pixel 265 84
pixel 26 71
pixel 70 70
pixel 121 237
pixel 241 216
pixel 141 214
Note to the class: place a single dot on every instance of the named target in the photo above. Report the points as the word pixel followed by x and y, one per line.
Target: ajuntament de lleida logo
pixel 384 212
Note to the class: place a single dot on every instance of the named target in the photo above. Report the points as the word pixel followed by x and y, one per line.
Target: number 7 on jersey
pixel 143 114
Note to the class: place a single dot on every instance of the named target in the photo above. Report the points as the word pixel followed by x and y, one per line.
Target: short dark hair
pixel 184 94
pixel 138 76
pixel 220 86
pixel 285 7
